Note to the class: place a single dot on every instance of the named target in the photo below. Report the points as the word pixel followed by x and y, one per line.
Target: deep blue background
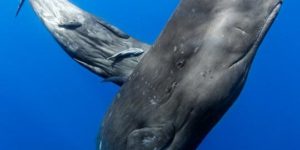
pixel 48 102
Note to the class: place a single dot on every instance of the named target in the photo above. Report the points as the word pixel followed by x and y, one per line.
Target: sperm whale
pixel 90 40
pixel 191 76
pixel 174 95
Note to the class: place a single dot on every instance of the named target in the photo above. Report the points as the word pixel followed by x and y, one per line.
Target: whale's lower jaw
pixel 87 39
pixel 190 78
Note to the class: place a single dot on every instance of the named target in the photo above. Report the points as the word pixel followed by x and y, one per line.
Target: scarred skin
pixel 87 39
pixel 191 76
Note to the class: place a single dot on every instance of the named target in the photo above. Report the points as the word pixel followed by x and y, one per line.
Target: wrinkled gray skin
pixel 87 39
pixel 184 85
pixel 190 78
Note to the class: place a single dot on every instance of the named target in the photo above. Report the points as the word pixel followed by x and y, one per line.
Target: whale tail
pixel 20 7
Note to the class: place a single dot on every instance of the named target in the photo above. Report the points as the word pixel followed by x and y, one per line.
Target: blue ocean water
pixel 49 102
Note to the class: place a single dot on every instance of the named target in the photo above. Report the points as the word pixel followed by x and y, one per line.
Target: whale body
pixel 191 76
pixel 87 39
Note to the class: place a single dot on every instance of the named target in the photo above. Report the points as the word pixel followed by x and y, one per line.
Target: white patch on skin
pixel 175 48
pixel 100 145
pixel 153 102
pixel 148 140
